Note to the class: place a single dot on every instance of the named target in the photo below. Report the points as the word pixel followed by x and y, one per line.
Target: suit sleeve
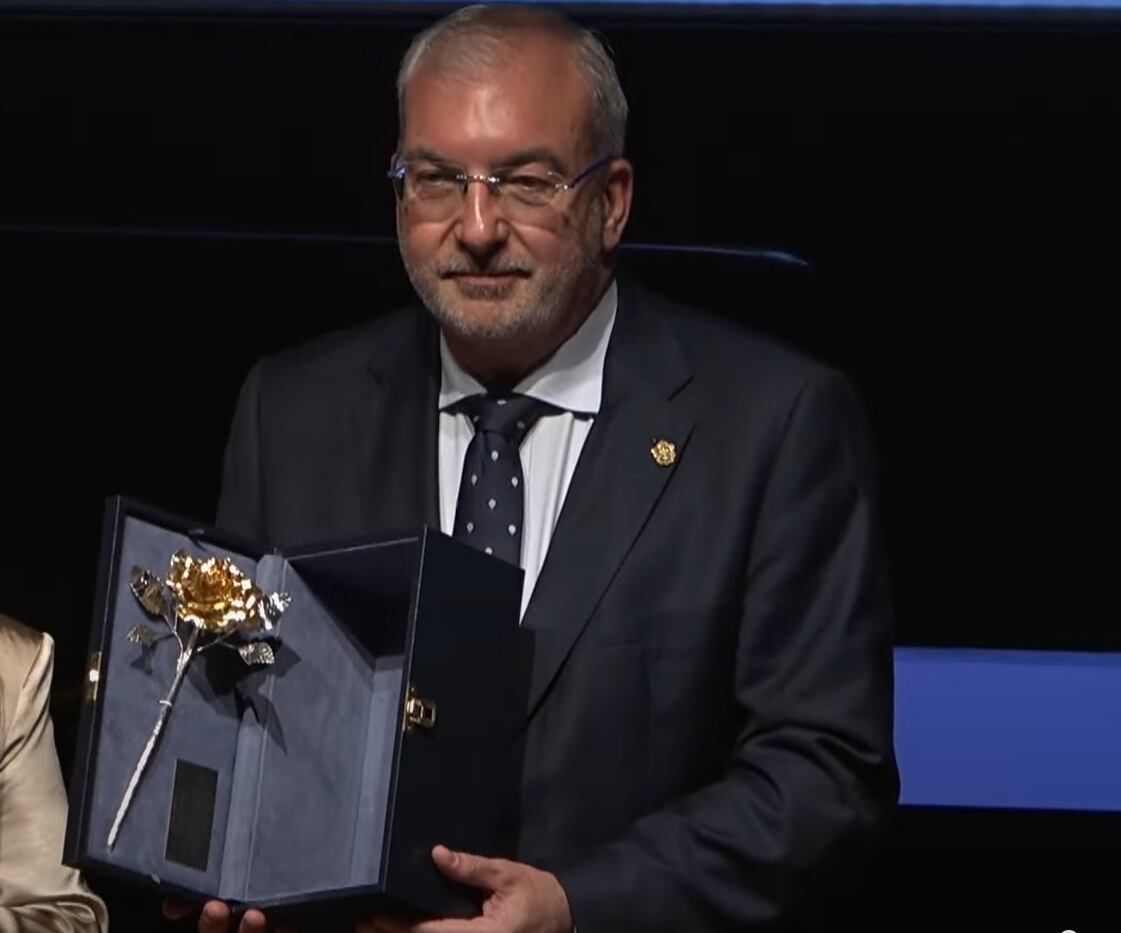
pixel 810 780
pixel 241 497
pixel 38 894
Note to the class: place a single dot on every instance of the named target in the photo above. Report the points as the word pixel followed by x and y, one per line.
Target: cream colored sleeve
pixel 38 894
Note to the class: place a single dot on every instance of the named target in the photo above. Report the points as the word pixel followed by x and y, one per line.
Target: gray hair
pixel 476 36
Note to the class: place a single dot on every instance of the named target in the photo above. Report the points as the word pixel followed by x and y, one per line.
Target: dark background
pixel 181 193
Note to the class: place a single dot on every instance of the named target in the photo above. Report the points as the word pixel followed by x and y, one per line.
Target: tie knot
pixel 509 415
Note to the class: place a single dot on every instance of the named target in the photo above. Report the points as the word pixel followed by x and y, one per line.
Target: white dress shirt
pixel 572 380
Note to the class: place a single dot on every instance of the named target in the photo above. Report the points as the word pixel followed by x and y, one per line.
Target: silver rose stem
pixel 185 656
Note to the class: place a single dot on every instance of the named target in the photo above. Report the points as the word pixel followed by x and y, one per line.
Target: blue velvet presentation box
pixel 317 785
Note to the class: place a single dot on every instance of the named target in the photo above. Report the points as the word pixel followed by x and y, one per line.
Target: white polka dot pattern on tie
pixel 490 508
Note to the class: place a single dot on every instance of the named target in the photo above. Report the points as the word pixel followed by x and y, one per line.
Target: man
pixel 38 894
pixel 709 732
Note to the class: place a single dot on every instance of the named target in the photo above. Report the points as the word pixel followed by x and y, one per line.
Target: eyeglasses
pixel 436 190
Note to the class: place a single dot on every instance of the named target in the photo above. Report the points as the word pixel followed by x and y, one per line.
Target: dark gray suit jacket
pixel 709 731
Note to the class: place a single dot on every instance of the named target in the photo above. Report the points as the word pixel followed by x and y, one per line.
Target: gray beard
pixel 545 303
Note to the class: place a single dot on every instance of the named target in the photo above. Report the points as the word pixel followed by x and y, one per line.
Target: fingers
pixel 386 925
pixel 253 922
pixel 470 869
pixel 175 909
pixel 476 925
pixel 215 918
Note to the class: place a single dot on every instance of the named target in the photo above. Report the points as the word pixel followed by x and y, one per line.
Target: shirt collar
pixel 571 379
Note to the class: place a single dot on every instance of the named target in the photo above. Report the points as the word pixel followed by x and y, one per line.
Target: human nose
pixel 481 224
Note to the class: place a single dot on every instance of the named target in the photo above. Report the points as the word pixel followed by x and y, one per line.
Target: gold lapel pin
pixel 664 453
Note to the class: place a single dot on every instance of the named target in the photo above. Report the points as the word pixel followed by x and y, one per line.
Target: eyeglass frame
pixel 464 178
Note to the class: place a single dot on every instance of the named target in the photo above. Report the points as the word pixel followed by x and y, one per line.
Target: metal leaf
pixel 257 653
pixel 272 608
pixel 142 635
pixel 148 589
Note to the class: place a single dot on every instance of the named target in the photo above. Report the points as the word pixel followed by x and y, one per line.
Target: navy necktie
pixel 490 508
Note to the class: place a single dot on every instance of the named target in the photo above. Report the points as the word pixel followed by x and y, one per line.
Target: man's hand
pixel 520 899
pixel 215 917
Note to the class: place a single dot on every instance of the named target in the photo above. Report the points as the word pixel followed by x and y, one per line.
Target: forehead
pixel 535 97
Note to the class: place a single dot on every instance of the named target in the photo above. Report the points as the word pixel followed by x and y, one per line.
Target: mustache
pixel 492 267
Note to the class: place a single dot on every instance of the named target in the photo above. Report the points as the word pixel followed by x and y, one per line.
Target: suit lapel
pixel 616 485
pixel 394 420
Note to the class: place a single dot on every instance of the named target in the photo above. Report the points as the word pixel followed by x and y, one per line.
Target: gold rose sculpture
pixel 217 605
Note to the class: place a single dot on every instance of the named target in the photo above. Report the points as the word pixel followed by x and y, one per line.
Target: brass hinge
pixel 93 676
pixel 418 712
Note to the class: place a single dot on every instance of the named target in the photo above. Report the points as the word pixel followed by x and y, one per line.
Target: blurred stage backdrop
pixel 924 195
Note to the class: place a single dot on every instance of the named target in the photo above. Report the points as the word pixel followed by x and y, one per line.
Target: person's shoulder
pixel 22 649
pixel 20 643
pixel 337 354
pixel 734 354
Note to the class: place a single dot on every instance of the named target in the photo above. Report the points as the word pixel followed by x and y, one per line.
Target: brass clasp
pixel 418 712
pixel 93 676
